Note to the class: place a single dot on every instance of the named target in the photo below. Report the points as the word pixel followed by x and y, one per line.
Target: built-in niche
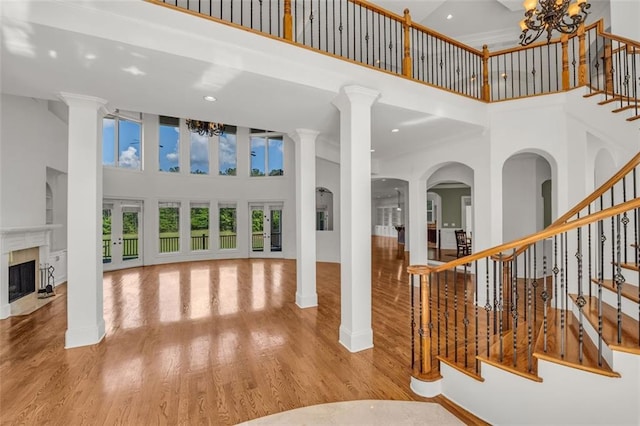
pixel 324 209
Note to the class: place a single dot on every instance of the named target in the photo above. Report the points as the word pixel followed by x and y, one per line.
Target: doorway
pixel 121 234
pixel 266 229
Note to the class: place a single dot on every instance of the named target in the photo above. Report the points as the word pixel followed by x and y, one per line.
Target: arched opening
pixel 324 209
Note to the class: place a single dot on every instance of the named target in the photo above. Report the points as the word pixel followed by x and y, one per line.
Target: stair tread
pixel 635 117
pixel 629 291
pixel 630 266
pixel 630 341
pixel 570 358
pixel 505 362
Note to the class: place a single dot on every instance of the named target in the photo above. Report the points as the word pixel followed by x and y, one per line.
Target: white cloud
pixel 199 149
pixel 227 151
pixel 129 158
pixel 173 157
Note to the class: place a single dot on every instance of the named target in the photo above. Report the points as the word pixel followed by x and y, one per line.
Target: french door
pixel 265 230
pixel 121 234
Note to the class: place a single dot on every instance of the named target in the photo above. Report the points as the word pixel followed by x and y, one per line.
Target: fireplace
pixel 22 280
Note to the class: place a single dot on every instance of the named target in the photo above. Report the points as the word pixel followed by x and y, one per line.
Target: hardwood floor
pixel 212 342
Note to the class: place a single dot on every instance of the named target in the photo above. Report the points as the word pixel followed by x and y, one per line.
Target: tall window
pixel 169 142
pixel 227 152
pixel 199 154
pixel 169 226
pixel 199 226
pixel 121 143
pixel 228 235
pixel 267 157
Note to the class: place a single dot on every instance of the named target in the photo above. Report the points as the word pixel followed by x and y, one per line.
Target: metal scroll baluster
pixel 476 313
pixel 430 324
pixel 514 302
pixel 438 304
pixel 636 249
pixel 455 314
pixel 555 271
pixel 446 314
pixel 602 239
pixel 619 278
pixel 420 315
pixel 487 305
pixel 580 301
pixel 500 302
pixel 465 320
pixel 531 315
pixel 545 300
pixel 589 253
pixel 563 310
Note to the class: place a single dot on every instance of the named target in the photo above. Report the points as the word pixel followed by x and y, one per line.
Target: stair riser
pixel 611 298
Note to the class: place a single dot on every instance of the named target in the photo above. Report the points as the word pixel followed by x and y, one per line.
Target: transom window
pixel 267 153
pixel 122 142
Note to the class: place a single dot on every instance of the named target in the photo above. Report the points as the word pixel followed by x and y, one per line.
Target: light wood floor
pixel 212 342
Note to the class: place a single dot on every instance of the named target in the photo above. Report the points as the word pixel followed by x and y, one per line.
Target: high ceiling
pixel 142 57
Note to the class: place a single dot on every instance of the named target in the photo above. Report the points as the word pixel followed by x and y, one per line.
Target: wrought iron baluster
pixel 602 239
pixel 531 315
pixel 487 305
pixel 563 306
pixel 618 278
pixel 545 300
pixel 465 320
pixel 439 304
pixel 514 303
pixel 589 253
pixel 580 301
pixel 500 303
pixel 455 314
pixel 446 314
pixel 476 314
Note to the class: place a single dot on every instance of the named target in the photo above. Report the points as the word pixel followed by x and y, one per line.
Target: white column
pixel 305 148
pixel 418 219
pixel 85 321
pixel 354 103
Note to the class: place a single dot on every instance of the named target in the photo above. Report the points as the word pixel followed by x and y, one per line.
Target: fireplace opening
pixel 22 280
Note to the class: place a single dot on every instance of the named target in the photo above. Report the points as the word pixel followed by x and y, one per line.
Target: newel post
pixel 582 50
pixel 406 60
pixel 287 21
pixel 486 89
pixel 425 341
pixel 565 61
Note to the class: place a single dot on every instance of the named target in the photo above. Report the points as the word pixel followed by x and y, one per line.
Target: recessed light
pixel 395 130
pixel 90 56
pixel 209 98
pixel 449 16
pixel 373 150
pixel 53 54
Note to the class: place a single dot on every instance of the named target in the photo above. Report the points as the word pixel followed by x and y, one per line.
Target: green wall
pixel 450 207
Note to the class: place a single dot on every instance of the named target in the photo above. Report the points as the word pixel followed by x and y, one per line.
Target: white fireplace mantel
pixel 20 238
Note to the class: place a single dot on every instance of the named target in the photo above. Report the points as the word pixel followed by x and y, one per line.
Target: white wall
pixel 328 242
pixel 151 186
pixel 32 139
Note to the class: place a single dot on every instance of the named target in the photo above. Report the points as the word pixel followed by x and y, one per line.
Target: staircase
pixel 545 329
pixel 555 315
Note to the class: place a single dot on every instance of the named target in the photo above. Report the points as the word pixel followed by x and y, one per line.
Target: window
pixel 227 152
pixel 228 235
pixel 266 154
pixel 199 154
pixel 121 146
pixel 169 144
pixel 199 226
pixel 169 226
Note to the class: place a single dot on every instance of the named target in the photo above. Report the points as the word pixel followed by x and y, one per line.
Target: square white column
pixel 355 103
pixel 85 320
pixel 306 295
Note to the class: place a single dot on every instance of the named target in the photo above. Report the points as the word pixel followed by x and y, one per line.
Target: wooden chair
pixel 462 243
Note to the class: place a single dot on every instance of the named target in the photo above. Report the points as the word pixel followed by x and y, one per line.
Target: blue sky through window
pixel 169 148
pixel 129 144
pixel 227 153
pixel 108 141
pixel 199 154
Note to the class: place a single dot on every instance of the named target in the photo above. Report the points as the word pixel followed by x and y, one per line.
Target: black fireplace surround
pixel 22 280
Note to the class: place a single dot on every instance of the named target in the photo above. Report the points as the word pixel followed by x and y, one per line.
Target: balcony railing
pixel 361 32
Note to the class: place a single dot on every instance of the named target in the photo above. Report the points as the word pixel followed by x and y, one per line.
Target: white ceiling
pixel 142 57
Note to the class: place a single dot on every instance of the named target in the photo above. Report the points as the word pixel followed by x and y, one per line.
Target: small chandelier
pixel 549 15
pixel 205 128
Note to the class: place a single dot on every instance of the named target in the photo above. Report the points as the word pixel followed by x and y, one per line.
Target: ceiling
pixel 141 57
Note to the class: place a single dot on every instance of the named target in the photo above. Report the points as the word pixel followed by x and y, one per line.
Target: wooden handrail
pixel 529 239
pixel 375 8
pixel 446 39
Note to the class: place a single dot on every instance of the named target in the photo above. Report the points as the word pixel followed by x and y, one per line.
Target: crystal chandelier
pixel 205 128
pixel 549 15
